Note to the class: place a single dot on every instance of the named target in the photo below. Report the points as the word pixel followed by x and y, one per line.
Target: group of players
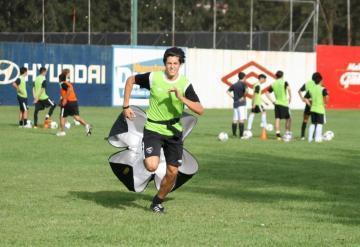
pixel 312 93
pixel 68 101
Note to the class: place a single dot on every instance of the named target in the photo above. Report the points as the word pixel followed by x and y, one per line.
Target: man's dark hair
pixel 174 52
pixel 42 69
pixel 317 78
pixel 241 75
pixel 62 77
pixel 262 76
pixel 279 74
pixel 23 70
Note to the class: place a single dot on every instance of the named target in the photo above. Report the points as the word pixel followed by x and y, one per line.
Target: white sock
pixel 311 132
pixel 250 122
pixel 263 120
pixel 318 133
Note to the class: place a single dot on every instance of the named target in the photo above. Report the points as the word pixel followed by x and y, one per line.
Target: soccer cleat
pixel 28 126
pixel 278 138
pixel 157 208
pixel 302 138
pixel 35 127
pixel 88 129
pixel 61 133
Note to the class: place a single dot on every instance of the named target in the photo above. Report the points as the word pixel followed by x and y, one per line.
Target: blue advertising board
pixel 90 70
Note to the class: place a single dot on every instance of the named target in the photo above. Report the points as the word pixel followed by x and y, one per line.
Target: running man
pixel 20 86
pixel 41 99
pixel 237 92
pixel 69 104
pixel 319 99
pixel 169 93
pixel 282 92
pixel 316 77
pixel 256 104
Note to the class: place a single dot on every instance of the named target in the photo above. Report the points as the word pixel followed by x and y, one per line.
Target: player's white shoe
pixel 61 133
pixel 88 129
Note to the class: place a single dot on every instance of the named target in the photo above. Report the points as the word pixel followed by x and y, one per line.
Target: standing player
pixel 69 104
pixel 282 92
pixel 169 93
pixel 41 99
pixel 316 77
pixel 256 104
pixel 238 94
pixel 319 99
pixel 20 86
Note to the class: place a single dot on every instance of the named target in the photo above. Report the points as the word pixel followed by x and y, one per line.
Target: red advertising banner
pixel 340 68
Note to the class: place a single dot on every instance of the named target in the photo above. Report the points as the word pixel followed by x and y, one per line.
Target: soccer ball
pixel 269 127
pixel 76 123
pixel 28 124
pixel 53 125
pixel 223 136
pixel 328 135
pixel 67 125
pixel 287 137
pixel 247 134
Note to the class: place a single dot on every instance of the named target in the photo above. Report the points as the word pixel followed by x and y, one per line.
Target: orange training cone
pixel 263 134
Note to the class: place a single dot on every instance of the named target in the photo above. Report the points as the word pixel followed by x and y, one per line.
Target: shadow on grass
pixel 113 199
pixel 331 184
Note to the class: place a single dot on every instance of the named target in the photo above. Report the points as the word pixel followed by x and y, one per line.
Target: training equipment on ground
pixel 128 165
pixel 54 125
pixel 287 137
pixel 28 124
pixel 263 134
pixel 269 127
pixel 67 125
pixel 328 135
pixel 223 136
pixel 247 134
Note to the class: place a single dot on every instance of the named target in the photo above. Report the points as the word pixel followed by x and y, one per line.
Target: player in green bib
pixel 170 92
pixel 41 99
pixel 316 77
pixel 20 86
pixel 319 99
pixel 256 103
pixel 282 93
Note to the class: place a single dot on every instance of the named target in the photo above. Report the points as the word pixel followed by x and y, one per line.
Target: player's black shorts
pixel 23 104
pixel 282 112
pixel 172 146
pixel 317 118
pixel 257 109
pixel 42 104
pixel 70 109
pixel 307 110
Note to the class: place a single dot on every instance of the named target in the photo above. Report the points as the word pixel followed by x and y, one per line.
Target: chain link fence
pixel 265 41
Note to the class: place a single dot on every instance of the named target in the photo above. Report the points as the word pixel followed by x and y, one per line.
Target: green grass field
pixel 61 191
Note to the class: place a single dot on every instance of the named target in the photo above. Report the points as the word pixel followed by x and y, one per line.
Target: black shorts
pixel 317 118
pixel 257 109
pixel 307 110
pixel 70 109
pixel 282 112
pixel 42 104
pixel 23 104
pixel 172 146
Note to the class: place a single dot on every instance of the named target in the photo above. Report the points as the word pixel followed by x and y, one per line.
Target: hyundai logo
pixel 9 71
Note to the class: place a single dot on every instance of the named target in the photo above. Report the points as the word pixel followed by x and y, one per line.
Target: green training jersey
pixel 317 99
pixel 280 92
pixel 164 105
pixel 257 95
pixel 309 85
pixel 38 85
pixel 22 86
